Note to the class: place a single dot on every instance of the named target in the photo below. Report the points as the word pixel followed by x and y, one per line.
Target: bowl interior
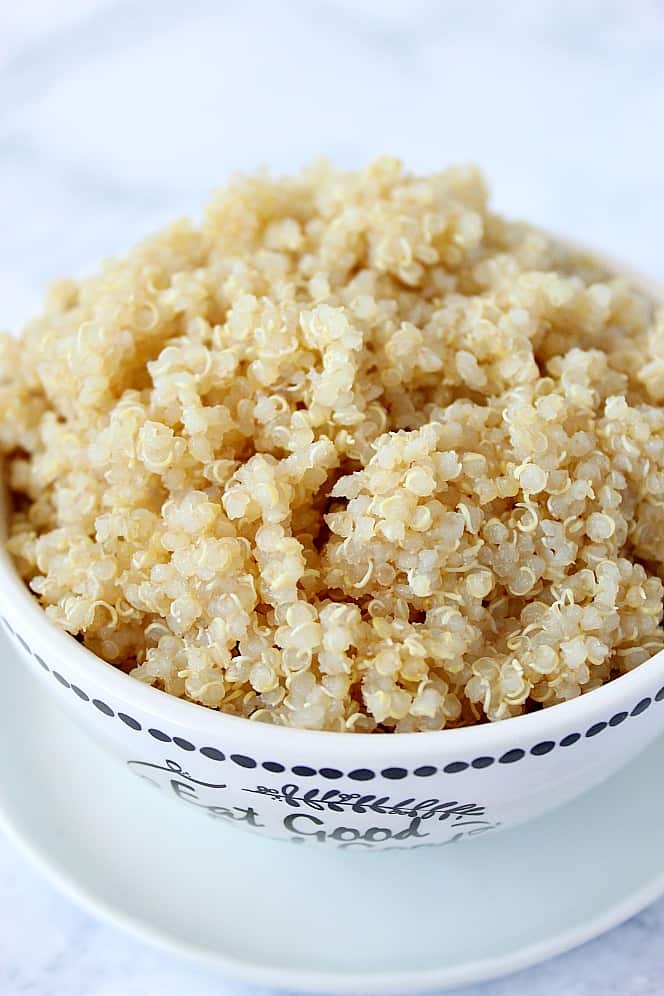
pixel 28 617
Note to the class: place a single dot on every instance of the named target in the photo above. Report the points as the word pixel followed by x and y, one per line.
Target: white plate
pixel 322 921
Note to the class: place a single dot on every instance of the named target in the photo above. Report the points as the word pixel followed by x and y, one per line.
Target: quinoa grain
pixel 357 454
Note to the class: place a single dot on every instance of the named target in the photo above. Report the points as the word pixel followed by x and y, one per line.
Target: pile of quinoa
pixel 356 454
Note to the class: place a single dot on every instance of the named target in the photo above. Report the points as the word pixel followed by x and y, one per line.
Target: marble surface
pixel 117 115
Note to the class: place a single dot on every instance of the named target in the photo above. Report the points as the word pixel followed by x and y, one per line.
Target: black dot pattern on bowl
pixel 160 735
pixel 361 775
pixel 394 774
pixel 357 774
pixel 129 721
pixel 213 753
pixel 545 747
pixel 183 744
pixel 243 761
pixel 512 756
pixel 274 767
pixel 103 707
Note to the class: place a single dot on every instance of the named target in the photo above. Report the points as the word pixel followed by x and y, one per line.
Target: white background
pixel 115 116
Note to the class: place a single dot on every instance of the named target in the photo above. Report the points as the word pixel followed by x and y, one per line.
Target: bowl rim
pixel 26 615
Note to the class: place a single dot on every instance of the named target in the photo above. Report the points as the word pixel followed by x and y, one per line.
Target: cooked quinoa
pixel 356 454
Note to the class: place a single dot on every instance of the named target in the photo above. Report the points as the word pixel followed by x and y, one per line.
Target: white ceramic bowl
pixel 352 790
pixel 347 790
